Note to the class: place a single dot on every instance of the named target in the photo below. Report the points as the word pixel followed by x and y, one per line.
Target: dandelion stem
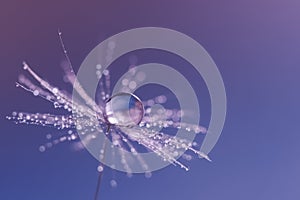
pixel 100 173
pixel 98 186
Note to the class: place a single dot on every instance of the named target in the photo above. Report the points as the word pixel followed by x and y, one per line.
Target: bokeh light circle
pixel 170 41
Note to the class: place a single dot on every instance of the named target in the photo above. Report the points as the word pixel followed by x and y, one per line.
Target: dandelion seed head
pixel 131 126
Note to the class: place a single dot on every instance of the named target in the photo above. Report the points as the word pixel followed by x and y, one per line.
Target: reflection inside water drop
pixel 124 109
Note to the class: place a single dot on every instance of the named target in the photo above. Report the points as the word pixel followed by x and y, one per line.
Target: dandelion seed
pixel 123 118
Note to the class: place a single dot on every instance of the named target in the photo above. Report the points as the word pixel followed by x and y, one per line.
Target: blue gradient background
pixel 256 46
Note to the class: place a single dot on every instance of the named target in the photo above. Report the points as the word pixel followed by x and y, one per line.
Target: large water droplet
pixel 124 109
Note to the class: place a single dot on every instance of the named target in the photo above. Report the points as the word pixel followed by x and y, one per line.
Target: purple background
pixel 256 46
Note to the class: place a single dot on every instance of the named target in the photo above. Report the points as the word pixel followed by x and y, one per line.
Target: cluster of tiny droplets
pixel 90 121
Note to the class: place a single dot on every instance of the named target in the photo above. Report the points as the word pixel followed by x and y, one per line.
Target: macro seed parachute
pixel 127 126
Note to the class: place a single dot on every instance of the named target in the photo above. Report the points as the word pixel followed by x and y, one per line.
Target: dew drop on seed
pixel 124 109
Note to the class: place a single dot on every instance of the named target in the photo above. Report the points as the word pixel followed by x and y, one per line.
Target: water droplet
pixel 100 168
pixel 105 72
pixel 98 66
pixel 132 85
pixel 125 82
pixel 124 109
pixel 35 92
pixel 42 148
pixel 113 183
pixel 54 90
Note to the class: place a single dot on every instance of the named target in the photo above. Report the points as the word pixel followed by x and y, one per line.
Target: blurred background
pixel 256 47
